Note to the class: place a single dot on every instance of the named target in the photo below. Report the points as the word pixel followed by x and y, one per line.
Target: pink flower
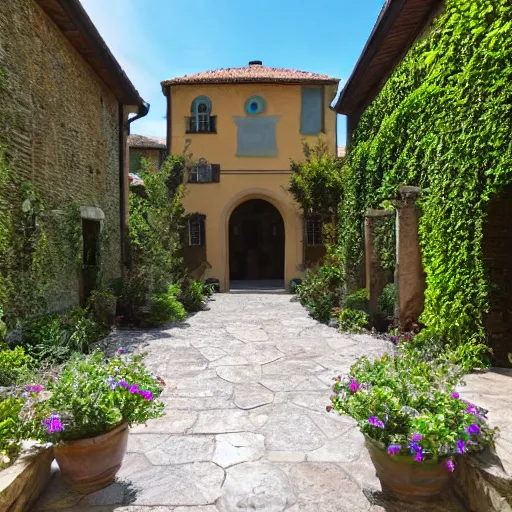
pixel 353 386
pixel 450 465
pixel 121 350
pixel 34 389
pixel 455 395
pixel 53 424
pixel 375 422
pixel 394 449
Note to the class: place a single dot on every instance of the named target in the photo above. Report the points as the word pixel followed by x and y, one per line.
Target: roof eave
pixel 173 83
pixel 347 102
pixel 75 24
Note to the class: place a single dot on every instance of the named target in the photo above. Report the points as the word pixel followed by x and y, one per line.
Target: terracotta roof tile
pixel 140 141
pixel 253 73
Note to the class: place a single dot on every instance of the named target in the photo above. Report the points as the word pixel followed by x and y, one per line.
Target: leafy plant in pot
pixel 413 420
pixel 89 408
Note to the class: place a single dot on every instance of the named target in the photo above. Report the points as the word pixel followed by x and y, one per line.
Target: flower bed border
pixel 23 482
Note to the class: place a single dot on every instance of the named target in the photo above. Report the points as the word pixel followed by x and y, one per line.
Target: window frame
pixel 199 220
pixel 316 232
pixel 194 173
pixel 199 120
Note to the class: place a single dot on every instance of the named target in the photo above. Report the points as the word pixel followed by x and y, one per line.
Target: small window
pixel 201 120
pixel 314 232
pixel 255 105
pixel 196 232
pixel 311 118
pixel 204 172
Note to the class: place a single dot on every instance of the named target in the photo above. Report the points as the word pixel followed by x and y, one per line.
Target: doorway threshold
pixel 258 286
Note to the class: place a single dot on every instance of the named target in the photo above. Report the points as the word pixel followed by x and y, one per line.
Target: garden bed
pixel 23 482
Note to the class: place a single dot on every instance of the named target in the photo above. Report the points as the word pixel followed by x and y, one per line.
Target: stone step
pixel 485 479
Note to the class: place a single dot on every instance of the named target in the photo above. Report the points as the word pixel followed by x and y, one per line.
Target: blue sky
pixel 159 39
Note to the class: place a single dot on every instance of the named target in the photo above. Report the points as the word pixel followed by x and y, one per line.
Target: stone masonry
pixel 245 428
pixel 59 124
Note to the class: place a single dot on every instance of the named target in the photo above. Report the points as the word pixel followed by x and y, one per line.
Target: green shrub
pixel 14 365
pixel 358 300
pixel 11 429
pixel 56 336
pixel 387 301
pixel 294 284
pixel 93 395
pixel 320 291
pixel 352 320
pixel 193 296
pixel 165 307
pixel 102 304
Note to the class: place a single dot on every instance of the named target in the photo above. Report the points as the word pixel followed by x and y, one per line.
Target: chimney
pixel 255 63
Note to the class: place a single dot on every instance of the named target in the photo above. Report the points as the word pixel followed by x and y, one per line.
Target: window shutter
pixel 202 230
pixel 311 114
pixel 216 173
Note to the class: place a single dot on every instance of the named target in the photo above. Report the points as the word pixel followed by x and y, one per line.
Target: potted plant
pixel 89 408
pixel 413 422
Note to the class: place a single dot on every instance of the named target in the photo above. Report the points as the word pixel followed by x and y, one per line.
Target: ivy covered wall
pixel 442 122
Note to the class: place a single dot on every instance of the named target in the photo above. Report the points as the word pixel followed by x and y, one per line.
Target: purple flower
pixel 455 395
pixel 353 386
pixel 53 424
pixel 147 395
pixel 419 456
pixel 450 465
pixel 473 429
pixel 394 449
pixel 414 447
pixel 134 389
pixel 121 350
pixel 112 382
pixel 123 384
pixel 375 422
pixel 417 437
pixel 34 389
pixel 394 340
pixel 461 446
pixel 472 409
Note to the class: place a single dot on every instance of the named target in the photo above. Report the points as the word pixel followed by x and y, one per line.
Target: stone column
pixel 409 275
pixel 376 276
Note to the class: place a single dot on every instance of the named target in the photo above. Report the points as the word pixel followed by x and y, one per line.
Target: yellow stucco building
pixel 243 125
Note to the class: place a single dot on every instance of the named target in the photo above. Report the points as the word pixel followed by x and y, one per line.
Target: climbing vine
pixel 442 122
pixel 38 246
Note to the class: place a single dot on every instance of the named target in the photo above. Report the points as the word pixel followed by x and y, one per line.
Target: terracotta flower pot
pixel 405 478
pixel 92 464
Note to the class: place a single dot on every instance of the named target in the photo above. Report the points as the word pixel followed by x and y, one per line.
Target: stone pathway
pixel 245 426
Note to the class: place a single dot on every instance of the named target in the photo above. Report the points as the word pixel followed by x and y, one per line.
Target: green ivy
pixel 38 245
pixel 155 221
pixel 441 122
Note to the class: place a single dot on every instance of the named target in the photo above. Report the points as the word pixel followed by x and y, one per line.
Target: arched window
pixel 201 120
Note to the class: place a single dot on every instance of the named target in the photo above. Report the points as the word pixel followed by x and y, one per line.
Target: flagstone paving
pixel 246 427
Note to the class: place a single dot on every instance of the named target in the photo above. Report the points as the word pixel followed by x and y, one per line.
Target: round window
pixel 255 105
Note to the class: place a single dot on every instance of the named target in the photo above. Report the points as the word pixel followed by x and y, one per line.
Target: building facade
pixel 242 126
pixel 150 148
pixel 65 104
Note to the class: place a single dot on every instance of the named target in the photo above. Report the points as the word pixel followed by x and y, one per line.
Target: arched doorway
pixel 256 243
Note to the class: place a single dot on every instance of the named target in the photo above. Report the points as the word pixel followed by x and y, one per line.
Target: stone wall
pixel 59 124
pixel 497 257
